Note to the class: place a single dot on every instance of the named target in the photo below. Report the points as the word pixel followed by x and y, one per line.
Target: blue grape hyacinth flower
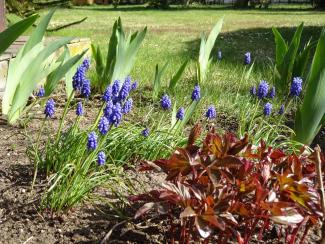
pixel 49 108
pixel 127 107
pixel 41 92
pixel 107 96
pixel 79 109
pixel 281 110
pixel 108 109
pixel 253 91
pixel 85 89
pixel 92 141
pixel 196 94
pixel 101 158
pixel 134 85
pixel 78 78
pixel 116 115
pixel 125 89
pixel 263 89
pixel 116 88
pixel 296 86
pixel 180 113
pixel 211 113
pixel 86 64
pixel 272 93
pixel 145 132
pixel 165 102
pixel 267 109
pixel 103 125
pixel 247 59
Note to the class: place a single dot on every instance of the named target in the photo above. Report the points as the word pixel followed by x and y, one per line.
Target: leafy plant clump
pixel 227 189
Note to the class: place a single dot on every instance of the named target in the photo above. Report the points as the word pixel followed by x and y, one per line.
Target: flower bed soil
pixel 21 221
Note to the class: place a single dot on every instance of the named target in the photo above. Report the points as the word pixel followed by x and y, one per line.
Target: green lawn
pixel 174 36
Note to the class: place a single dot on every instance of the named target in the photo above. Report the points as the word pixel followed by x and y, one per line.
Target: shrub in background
pixel 229 190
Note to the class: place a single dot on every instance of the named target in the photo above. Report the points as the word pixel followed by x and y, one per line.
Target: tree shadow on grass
pixel 258 41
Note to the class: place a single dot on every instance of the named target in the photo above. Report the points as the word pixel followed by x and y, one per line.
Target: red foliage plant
pixel 228 189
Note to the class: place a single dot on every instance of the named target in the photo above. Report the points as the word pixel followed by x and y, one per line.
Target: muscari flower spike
pixel 85 89
pixel 116 116
pixel 92 141
pixel 281 110
pixel 49 108
pixel 253 91
pixel 86 63
pixel 263 89
pixel 103 125
pixel 180 113
pixel 41 92
pixel 267 109
pixel 145 132
pixel 107 96
pixel 134 85
pixel 79 109
pixel 196 94
pixel 247 59
pixel 101 158
pixel 125 89
pixel 116 88
pixel 127 106
pixel 165 102
pixel 296 87
pixel 272 93
pixel 78 78
pixel 108 109
pixel 211 112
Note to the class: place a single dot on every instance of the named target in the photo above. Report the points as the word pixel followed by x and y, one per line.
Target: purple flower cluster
pixel 165 102
pixel 296 87
pixel 145 132
pixel 180 113
pixel 92 141
pixel 267 109
pixel 127 107
pixel 211 113
pixel 271 93
pixel 247 59
pixel 103 125
pixel 79 77
pixel 79 109
pixel 101 158
pixel 263 89
pixel 49 108
pixel 196 94
pixel 117 101
pixel 41 92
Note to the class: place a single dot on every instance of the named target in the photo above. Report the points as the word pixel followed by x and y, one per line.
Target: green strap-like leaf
pixel 281 47
pixel 8 36
pixel 310 116
pixel 176 77
pixel 38 33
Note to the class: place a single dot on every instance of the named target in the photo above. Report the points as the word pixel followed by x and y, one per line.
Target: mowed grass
pixel 174 36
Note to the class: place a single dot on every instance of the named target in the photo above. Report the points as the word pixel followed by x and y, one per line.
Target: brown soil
pixel 21 221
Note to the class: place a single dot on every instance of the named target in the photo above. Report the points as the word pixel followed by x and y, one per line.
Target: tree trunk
pixel 2 15
pixel 241 4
